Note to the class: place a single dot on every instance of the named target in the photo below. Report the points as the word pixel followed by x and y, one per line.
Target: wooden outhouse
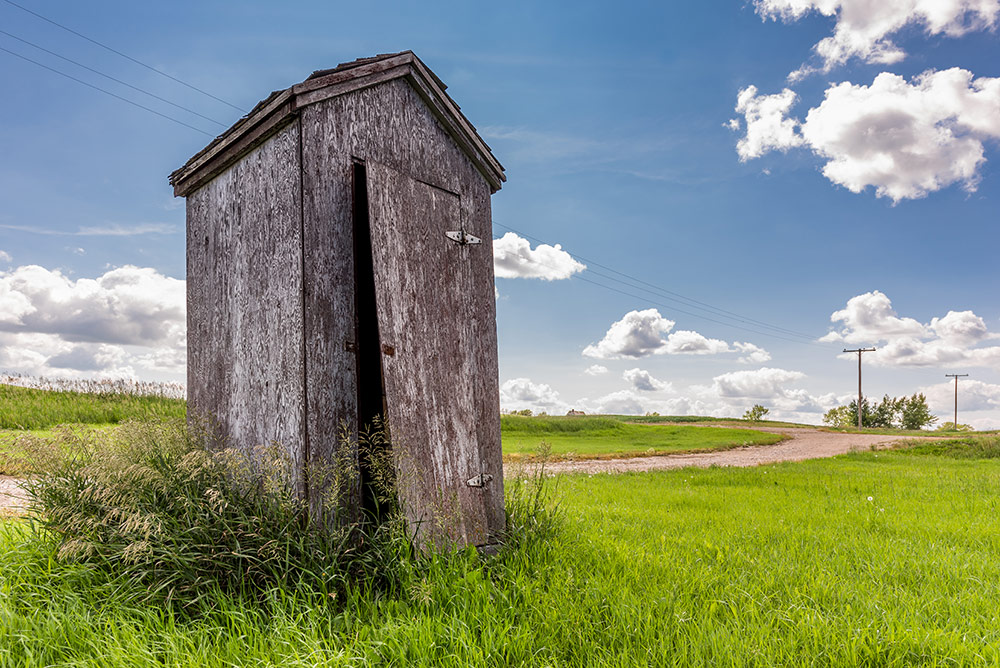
pixel 339 268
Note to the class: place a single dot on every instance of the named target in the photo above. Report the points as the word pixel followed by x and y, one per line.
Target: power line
pixel 123 55
pixel 687 301
pixel 693 303
pixel 106 92
pixel 695 315
pixel 108 76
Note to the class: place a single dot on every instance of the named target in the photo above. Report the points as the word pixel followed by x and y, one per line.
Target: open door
pixel 426 326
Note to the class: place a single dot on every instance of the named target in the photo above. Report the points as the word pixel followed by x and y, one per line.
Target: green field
pixel 876 558
pixel 26 408
pixel 590 437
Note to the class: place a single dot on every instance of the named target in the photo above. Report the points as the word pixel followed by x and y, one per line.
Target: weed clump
pixel 185 521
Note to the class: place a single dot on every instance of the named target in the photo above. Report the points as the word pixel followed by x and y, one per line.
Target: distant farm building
pixel 575 412
pixel 339 268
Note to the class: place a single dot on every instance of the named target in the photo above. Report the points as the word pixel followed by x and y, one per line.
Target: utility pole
pixel 956 376
pixel 859 351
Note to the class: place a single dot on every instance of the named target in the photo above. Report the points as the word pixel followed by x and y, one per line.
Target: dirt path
pixel 12 497
pixel 803 444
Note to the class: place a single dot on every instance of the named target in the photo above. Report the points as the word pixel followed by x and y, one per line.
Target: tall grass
pixel 871 559
pixel 180 520
pixel 32 408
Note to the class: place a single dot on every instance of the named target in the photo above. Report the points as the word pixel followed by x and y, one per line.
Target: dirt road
pixel 803 444
pixel 12 498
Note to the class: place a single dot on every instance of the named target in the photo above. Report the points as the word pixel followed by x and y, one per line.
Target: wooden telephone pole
pixel 956 376
pixel 859 351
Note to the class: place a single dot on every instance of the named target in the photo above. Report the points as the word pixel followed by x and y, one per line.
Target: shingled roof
pixel 281 107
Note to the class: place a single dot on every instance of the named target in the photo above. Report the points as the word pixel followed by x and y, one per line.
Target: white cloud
pixel 905 139
pixel 643 333
pixel 110 230
pixel 128 318
pixel 763 383
pixel 753 354
pixel 767 127
pixel 686 342
pixel 864 28
pixel 596 370
pixel 973 395
pixel 5 256
pixel 513 257
pixel 643 381
pixel 637 334
pixel 870 317
pixel 521 393
pixel 947 341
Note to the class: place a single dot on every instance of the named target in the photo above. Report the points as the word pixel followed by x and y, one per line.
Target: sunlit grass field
pixel 601 436
pixel 875 558
pixel 29 408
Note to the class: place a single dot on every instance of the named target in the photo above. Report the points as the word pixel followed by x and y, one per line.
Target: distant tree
pixel 756 413
pixel 841 416
pixel 652 414
pixel 526 412
pixel 914 413
pixel 950 426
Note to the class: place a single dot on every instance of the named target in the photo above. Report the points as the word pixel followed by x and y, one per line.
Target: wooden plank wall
pixel 244 282
pixel 391 125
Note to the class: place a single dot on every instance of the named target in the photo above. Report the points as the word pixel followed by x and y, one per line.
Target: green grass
pixel 28 408
pixel 607 436
pixel 877 558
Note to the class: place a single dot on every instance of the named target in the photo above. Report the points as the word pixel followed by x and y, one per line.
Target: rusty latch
pixel 388 350
pixel 479 481
pixel 462 238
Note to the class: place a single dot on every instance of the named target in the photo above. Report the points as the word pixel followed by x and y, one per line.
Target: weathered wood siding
pixel 244 283
pixel 390 125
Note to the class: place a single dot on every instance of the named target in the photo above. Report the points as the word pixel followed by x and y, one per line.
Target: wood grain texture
pixel 421 284
pixel 391 126
pixel 244 283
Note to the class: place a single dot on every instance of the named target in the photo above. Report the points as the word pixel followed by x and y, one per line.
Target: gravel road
pixel 803 444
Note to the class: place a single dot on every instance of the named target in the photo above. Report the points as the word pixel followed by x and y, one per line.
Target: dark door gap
pixel 371 384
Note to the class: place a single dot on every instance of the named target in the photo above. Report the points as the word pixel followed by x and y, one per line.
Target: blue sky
pixel 665 141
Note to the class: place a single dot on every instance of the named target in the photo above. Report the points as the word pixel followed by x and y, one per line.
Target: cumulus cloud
pixel 686 342
pixel 768 129
pixel 864 28
pixel 973 396
pixel 521 393
pixel 643 333
pixel 752 354
pixel 954 339
pixel 643 381
pixel 596 370
pixel 637 334
pixel 905 139
pixel 870 317
pixel 513 257
pixel 129 317
pixel 763 383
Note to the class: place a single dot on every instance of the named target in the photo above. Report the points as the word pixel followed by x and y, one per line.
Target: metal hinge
pixel 480 480
pixel 463 238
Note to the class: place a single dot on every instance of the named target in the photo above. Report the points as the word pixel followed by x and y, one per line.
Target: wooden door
pixel 426 328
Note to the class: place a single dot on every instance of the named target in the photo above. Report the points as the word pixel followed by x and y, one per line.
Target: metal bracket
pixel 480 480
pixel 462 238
